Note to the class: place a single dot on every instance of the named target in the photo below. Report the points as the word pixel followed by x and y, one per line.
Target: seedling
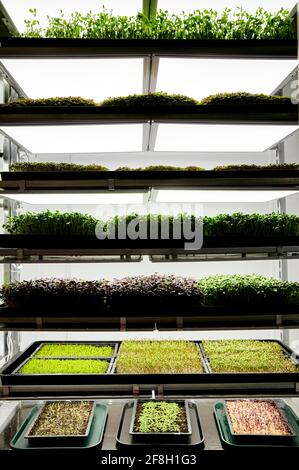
pixel 74 350
pixel 247 356
pixel 64 366
pixel 158 357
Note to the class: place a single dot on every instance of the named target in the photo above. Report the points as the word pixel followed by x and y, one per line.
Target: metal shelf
pixel 271 114
pixel 89 255
pixel 80 48
pixel 121 180
pixel 208 319
pixel 207 380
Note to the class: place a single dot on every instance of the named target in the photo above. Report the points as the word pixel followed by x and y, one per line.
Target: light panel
pixel 19 10
pixel 69 198
pixel 89 78
pixel 191 5
pixel 219 196
pixel 219 138
pixel 236 75
pixel 78 139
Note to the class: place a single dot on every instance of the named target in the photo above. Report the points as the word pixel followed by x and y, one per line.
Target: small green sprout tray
pixel 170 436
pixel 94 438
pixel 114 347
pixel 229 441
pixel 125 440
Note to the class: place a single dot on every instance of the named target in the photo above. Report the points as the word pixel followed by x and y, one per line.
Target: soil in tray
pixel 158 357
pixel 74 350
pixel 64 366
pixel 160 417
pixel 257 418
pixel 247 356
pixel 63 419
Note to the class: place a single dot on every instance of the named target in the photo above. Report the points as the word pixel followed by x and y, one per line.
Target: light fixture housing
pixel 78 139
pixel 236 75
pixel 52 198
pixel 220 138
pixel 219 196
pixel 89 78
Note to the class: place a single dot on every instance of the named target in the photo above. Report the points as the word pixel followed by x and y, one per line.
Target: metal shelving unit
pixel 12 322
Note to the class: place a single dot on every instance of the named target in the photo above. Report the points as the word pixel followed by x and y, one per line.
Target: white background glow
pixel 78 139
pixel 90 78
pixel 206 76
pixel 219 138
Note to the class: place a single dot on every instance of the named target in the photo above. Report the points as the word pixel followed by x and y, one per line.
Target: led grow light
pixel 220 138
pixel 86 198
pixel 236 75
pixel 78 139
pixel 90 78
pixel 220 196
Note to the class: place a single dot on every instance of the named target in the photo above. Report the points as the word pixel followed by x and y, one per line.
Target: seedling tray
pixel 53 440
pixel 111 380
pixel 146 179
pixel 205 369
pixel 124 439
pixel 93 343
pixel 10 376
pixel 93 440
pixel 292 356
pixel 176 437
pixel 89 242
pixel 229 441
pixel 272 113
pixel 280 405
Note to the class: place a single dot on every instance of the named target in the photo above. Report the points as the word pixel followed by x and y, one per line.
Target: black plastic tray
pixel 91 343
pixel 230 442
pixel 10 377
pixel 124 439
pixel 271 113
pixel 145 179
pixel 93 440
pixel 174 437
pixel 92 242
pixel 288 351
pixel 54 440
pixel 208 380
pixel 228 48
pixel 271 438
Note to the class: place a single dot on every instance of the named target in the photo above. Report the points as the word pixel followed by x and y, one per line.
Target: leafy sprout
pixel 158 357
pixel 74 350
pixel 160 417
pixel 64 366
pixel 199 24
pixel 247 356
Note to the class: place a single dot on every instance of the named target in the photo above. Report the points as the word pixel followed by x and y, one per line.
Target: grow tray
pixel 278 406
pixel 293 358
pixel 266 113
pixel 80 242
pixel 114 347
pixel 10 372
pixel 236 48
pixel 54 439
pixel 125 440
pixel 231 442
pixel 208 382
pixel 170 437
pixel 93 440
pixel 41 180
